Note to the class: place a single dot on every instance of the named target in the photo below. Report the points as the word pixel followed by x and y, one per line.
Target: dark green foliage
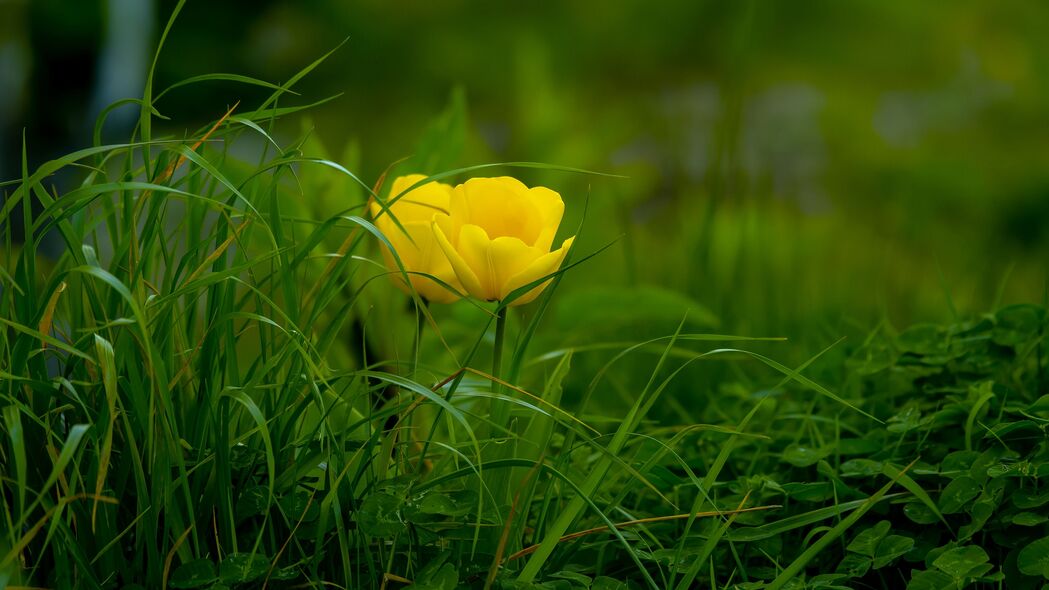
pixel 966 402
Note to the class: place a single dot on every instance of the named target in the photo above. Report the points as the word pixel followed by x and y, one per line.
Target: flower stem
pixel 420 325
pixel 500 416
pixel 497 352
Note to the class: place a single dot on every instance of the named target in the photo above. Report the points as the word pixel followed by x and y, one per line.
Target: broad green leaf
pixel 240 568
pixel 194 574
pixel 450 504
pixel 922 339
pixel 890 548
pixel 1033 559
pixel 437 575
pixel 804 456
pixel 854 565
pixel 1029 519
pixel 860 468
pixel 958 562
pixel 380 515
pixel 606 583
pixel 919 513
pixel 931 580
pixel 905 421
pixel 866 542
pixel 1017 324
pixel 958 494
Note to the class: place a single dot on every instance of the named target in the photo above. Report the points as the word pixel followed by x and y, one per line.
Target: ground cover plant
pixel 217 383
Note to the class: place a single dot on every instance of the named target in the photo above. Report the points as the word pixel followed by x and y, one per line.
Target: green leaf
pixel 380 515
pixel 866 542
pixel 285 573
pixel 253 501
pixel 922 339
pixel 446 504
pixel 606 583
pixel 1024 499
pixel 854 565
pixel 958 562
pixel 1017 324
pixel 1029 519
pixel 919 513
pixel 193 574
pixel 890 548
pixel 860 468
pixel 872 358
pixel 828 581
pixel 1040 405
pixel 1006 430
pixel 905 421
pixel 580 579
pixel 298 506
pixel 981 511
pixel 238 568
pixel 957 494
pixel 1033 559
pixel 958 461
pixel 437 575
pixel 809 492
pixel 803 456
pixel 931 580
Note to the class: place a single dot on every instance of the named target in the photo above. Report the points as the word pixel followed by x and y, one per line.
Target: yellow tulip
pixel 497 236
pixel 415 245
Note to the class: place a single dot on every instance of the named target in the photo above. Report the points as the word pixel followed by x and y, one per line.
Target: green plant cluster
pixel 964 438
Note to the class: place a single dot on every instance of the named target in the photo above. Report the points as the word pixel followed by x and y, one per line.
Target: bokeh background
pixel 798 169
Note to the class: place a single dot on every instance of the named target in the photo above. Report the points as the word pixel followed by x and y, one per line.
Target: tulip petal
pixel 422 256
pixel 462 270
pixel 541 267
pixel 401 183
pixel 506 258
pixel 502 206
pixel 407 243
pixel 552 209
pixel 431 260
pixel 474 247
pixel 413 238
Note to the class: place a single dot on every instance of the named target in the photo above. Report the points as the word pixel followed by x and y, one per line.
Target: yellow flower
pixel 497 235
pixel 415 245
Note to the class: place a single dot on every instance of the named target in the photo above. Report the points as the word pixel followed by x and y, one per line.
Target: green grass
pixel 216 386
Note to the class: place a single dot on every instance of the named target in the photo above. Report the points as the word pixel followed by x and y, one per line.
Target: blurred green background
pixel 797 169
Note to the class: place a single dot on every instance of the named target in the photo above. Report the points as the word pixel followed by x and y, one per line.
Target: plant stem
pixel 497 352
pixel 500 417
pixel 420 325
